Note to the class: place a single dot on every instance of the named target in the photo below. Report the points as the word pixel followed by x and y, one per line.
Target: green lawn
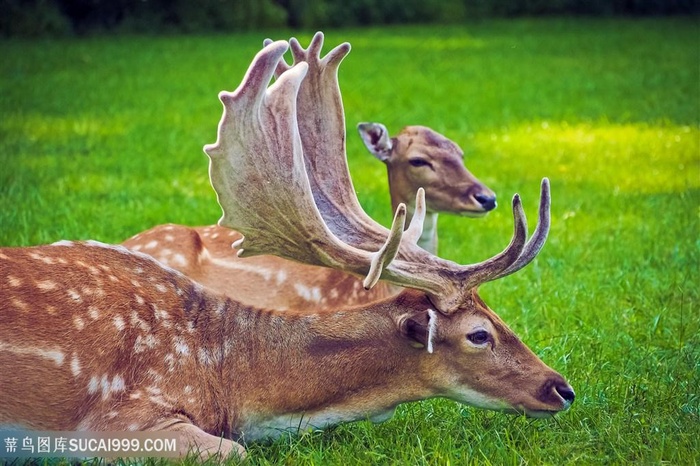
pixel 101 138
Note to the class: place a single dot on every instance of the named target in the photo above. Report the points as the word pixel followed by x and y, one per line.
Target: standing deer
pixel 97 337
pixel 417 157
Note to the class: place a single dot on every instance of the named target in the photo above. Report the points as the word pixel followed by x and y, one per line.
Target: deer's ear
pixel 419 328
pixel 376 139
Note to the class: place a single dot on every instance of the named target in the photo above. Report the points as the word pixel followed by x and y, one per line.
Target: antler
pixel 257 170
pixel 301 204
pixel 321 121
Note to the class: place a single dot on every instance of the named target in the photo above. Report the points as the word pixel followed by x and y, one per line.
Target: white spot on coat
pixel 105 386
pixel 19 304
pixel 46 285
pixel 281 276
pixel 75 365
pixel 264 272
pixel 142 343
pixel 312 294
pixel 44 259
pixel 181 347
pixel 137 322
pixel 204 357
pixel 169 362
pixel 179 259
pixel 155 391
pixel 78 322
pixel 159 400
pixel 54 355
pixel 14 281
pixel 119 323
pixel 160 314
pixel 93 312
pixel 93 385
pixel 117 384
pixel 74 295
pixel 64 243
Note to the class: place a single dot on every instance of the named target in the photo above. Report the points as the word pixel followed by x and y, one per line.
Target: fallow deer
pixel 420 157
pixel 416 157
pixel 97 337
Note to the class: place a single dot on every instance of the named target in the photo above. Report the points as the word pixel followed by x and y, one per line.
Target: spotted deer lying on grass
pixel 97 337
pixel 416 157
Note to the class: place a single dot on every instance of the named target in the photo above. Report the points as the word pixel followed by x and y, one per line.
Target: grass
pixel 101 138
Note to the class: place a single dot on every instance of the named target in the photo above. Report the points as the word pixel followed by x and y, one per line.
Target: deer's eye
pixel 420 163
pixel 479 337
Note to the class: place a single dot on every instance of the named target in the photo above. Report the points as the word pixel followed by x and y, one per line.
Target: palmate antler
pixel 322 129
pixel 280 173
pixel 257 170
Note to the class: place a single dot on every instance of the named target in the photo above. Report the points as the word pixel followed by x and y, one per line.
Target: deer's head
pixel 471 356
pixel 419 157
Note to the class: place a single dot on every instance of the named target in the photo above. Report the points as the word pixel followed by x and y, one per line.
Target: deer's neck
pixel 275 381
pixel 428 239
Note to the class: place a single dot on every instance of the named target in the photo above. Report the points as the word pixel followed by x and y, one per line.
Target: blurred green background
pixel 65 17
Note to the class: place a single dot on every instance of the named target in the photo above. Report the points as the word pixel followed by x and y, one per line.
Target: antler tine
pixel 539 236
pixel 257 170
pixel 486 270
pixel 415 228
pixel 261 71
pixel 282 65
pixel 314 49
pixel 382 258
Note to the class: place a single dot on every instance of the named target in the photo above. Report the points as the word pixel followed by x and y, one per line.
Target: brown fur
pixel 205 255
pixel 94 337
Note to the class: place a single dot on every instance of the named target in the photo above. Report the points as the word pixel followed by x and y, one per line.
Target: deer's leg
pixel 195 440
pixel 140 415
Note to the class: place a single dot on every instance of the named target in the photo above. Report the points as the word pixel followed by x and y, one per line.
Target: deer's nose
pixel 557 392
pixel 487 202
pixel 566 392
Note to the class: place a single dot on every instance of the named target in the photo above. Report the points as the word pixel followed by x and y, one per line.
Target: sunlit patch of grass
pixel 662 158
pixel 56 130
